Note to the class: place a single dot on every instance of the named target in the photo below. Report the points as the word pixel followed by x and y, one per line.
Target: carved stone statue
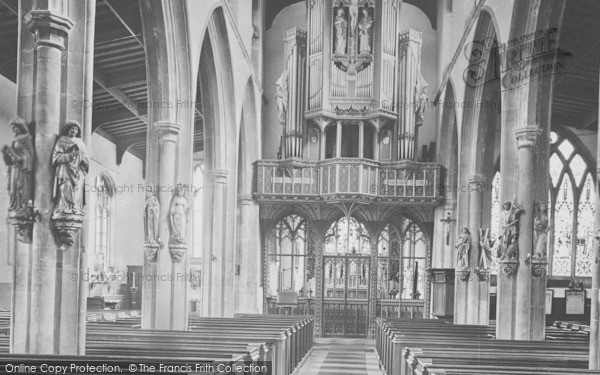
pixel 282 96
pixel 463 247
pixel 341 32
pixel 509 231
pixel 178 217
pixel 365 26
pixel 541 225
pixel 421 99
pixel 19 159
pixel 71 164
pixel 485 248
pixel 151 217
pixel 353 9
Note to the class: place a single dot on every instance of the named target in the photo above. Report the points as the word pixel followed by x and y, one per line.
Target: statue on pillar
pixel 485 248
pixel 341 31
pixel 151 218
pixel 509 231
pixel 19 159
pixel 463 247
pixel 71 164
pixel 179 211
pixel 541 226
pixel 365 26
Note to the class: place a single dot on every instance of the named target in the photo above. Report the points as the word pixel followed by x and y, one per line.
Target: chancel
pixel 300 187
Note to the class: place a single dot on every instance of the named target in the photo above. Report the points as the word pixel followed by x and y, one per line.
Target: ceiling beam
pixel 124 23
pixel 119 95
pixel 14 10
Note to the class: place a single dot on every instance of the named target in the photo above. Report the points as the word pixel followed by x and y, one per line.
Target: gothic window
pixel 103 190
pixel 402 243
pixel 198 211
pixel 571 205
pixel 291 261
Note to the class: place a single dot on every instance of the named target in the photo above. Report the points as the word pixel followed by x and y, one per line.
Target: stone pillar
pixel 164 300
pixel 522 285
pixel 214 264
pixel 248 267
pixel 318 229
pixel 595 313
pixel 472 287
pixel 48 284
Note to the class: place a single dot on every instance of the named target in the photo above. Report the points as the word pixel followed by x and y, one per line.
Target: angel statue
pixel 19 159
pixel 485 245
pixel 463 245
pixel 179 211
pixel 71 164
pixel 541 225
pixel 509 230
pixel 341 31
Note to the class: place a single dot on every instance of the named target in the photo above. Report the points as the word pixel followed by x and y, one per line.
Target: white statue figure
pixel 353 9
pixel 509 231
pixel 179 210
pixel 448 221
pixel 541 225
pixel 421 99
pixel 485 245
pixel 341 32
pixel 71 164
pixel 151 217
pixel 282 96
pixel 463 247
pixel 365 25
pixel 19 159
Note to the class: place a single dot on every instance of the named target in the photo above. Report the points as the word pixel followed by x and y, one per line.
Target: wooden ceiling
pixel 120 93
pixel 575 100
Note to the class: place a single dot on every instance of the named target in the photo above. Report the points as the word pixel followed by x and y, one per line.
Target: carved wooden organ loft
pixel 350 101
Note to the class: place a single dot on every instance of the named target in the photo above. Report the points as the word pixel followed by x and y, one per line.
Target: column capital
pixel 527 136
pixel 476 181
pixel 167 131
pixel 220 176
pixel 245 199
pixel 49 28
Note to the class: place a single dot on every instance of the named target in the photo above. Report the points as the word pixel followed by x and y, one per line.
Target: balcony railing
pixel 404 181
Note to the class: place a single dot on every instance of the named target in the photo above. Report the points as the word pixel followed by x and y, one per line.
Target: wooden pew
pixel 430 346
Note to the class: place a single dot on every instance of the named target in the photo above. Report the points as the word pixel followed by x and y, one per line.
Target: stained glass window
pixel 571 205
pixel 102 235
pixel 347 236
pixel 198 213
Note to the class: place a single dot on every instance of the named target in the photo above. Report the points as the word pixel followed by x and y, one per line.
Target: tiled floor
pixel 342 357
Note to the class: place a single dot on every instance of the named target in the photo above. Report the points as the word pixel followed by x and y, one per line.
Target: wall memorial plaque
pixel 575 302
pixel 549 298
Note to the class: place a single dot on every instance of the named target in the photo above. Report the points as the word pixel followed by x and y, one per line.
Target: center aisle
pixel 338 356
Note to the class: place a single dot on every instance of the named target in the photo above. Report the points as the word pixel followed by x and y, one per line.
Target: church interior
pixel 300 186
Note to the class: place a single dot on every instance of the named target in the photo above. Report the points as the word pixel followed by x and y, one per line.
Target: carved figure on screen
pixel 179 210
pixel 282 96
pixel 541 226
pixel 509 230
pixel 341 32
pixel 18 156
pixel 365 26
pixel 71 164
pixel 485 248
pixel 151 217
pixel 463 247
pixel 353 9
pixel 421 99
